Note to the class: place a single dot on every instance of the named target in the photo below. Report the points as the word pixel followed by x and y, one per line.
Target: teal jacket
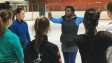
pixel 10 48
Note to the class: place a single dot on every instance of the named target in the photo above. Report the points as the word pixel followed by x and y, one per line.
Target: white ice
pixel 55 32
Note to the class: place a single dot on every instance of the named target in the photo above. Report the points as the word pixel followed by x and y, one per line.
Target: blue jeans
pixel 69 57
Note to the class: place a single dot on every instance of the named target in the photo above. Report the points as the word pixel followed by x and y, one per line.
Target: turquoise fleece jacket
pixel 10 48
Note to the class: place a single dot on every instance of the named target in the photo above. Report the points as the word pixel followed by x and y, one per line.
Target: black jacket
pixel 49 53
pixel 93 49
pixel 69 30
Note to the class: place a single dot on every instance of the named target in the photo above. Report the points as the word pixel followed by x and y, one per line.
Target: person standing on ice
pixel 109 29
pixel 20 27
pixel 10 48
pixel 93 44
pixel 40 50
pixel 70 23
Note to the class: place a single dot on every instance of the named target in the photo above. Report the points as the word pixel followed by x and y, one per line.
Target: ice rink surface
pixel 55 32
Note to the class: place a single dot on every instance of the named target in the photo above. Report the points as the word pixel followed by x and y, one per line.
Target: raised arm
pixel 54 20
pixel 79 20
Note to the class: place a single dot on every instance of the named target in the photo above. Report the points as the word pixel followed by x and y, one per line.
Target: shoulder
pixel 51 45
pixel 103 38
pixel 52 48
pixel 14 23
pixel 11 36
pixel 24 22
pixel 79 19
pixel 30 44
pixel 103 35
pixel 14 37
pixel 80 38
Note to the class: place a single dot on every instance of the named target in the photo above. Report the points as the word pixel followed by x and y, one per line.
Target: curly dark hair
pixel 91 18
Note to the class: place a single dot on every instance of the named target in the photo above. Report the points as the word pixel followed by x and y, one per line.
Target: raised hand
pixel 49 15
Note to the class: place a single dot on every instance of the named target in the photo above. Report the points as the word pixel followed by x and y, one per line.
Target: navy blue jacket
pixel 21 30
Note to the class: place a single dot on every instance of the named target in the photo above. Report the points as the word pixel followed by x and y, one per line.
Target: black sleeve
pixel 28 52
pixel 79 39
pixel 104 38
pixel 26 59
pixel 54 52
pixel 27 55
pixel 57 57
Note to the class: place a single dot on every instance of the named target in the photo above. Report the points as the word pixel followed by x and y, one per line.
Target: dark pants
pixel 69 57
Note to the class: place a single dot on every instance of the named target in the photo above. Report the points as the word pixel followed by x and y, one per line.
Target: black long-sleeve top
pixel 93 49
pixel 49 53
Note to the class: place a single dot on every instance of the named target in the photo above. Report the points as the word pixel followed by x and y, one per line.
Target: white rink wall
pixel 34 15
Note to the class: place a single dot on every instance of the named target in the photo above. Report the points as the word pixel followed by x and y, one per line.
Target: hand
pixel 49 15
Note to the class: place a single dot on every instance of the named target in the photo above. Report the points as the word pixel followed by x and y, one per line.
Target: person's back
pixel 10 47
pixel 84 45
pixel 109 29
pixel 20 27
pixel 101 42
pixel 49 52
pixel 93 45
pixel 40 49
pixel 93 50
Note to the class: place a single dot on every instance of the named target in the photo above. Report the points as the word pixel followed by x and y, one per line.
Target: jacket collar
pixel 19 21
pixel 68 18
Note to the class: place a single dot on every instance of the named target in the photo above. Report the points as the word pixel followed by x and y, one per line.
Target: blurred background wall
pixel 58 5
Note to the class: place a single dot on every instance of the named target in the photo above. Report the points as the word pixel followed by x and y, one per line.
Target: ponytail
pixel 4 16
pixel 91 18
pixel 2 27
pixel 41 24
pixel 16 11
pixel 13 18
pixel 38 36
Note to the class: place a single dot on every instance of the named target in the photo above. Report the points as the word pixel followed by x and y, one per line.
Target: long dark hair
pixel 91 18
pixel 41 24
